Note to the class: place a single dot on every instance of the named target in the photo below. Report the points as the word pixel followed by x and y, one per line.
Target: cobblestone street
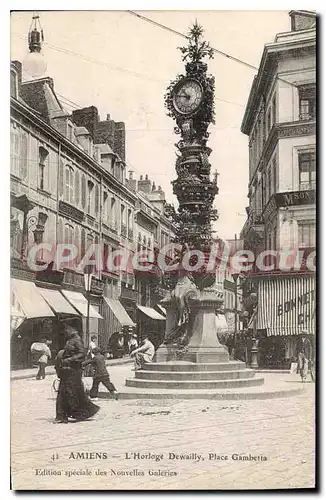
pixel 282 430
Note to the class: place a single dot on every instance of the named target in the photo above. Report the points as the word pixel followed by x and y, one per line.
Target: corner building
pixel 280 122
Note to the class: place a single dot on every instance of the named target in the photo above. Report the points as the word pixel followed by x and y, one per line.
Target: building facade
pixel 280 122
pixel 69 185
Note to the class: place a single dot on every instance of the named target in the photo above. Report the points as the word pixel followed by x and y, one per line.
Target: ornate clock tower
pixel 190 102
pixel 191 361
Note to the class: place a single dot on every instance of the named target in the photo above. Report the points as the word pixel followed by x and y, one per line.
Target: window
pixel 105 206
pixel 274 166
pixel 274 120
pixel 307 102
pixel 113 213
pixel 15 146
pixel 139 243
pixel 268 185
pixel 90 187
pixel 269 121
pixel 69 233
pixel 307 171
pixel 307 234
pixel 43 157
pixel 70 131
pixel 83 191
pixel 77 188
pixel 69 185
pixel 13 84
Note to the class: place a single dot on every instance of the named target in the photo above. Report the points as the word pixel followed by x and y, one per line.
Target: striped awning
pixel 286 306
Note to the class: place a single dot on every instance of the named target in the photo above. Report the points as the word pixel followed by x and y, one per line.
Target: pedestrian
pixel 305 359
pixel 101 375
pixel 72 400
pixel 92 346
pixel 41 354
pixel 132 342
pixel 89 371
pixel 144 353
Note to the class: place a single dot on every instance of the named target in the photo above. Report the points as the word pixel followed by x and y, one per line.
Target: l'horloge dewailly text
pixel 144 458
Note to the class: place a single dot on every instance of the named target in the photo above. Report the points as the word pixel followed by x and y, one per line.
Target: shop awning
pixel 161 309
pixel 151 313
pixel 57 301
pixel 286 306
pixel 30 301
pixel 119 312
pixel 78 300
pixel 16 318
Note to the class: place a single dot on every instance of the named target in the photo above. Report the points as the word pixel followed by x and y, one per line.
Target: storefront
pixel 286 311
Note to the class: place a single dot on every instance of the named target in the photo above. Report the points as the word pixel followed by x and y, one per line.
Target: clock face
pixel 187 96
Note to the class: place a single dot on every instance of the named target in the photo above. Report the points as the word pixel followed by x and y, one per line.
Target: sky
pixel 123 65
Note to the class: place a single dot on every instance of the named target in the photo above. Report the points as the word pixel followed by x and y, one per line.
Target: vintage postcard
pixel 163 246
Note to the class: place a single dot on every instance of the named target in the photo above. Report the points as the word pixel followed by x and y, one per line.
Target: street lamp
pixel 241 278
pixel 88 285
pixel 235 277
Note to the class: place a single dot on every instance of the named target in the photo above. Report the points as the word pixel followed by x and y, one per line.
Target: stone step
pixel 194 375
pixel 193 384
pixel 240 394
pixel 187 366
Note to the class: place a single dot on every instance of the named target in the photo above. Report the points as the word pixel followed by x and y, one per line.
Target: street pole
pixel 88 287
pixel 254 347
pixel 235 277
pixel 235 322
pixel 87 319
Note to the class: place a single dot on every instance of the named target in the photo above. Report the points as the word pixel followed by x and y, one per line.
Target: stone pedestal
pixel 204 346
pixel 203 368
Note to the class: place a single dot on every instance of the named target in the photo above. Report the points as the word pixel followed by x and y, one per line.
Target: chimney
pixel 144 185
pixel 131 182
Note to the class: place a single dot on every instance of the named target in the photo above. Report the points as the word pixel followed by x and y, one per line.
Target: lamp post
pixel 235 277
pixel 88 285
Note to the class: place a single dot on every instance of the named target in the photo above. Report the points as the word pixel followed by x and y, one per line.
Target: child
pixel 100 375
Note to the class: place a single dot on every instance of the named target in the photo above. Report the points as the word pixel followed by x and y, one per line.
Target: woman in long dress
pixel 72 400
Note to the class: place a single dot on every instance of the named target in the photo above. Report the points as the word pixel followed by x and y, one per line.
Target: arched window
pixel 77 188
pixel 69 184
pixel 42 168
pixel 69 234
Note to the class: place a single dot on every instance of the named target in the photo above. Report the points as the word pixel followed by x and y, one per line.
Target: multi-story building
pixel 68 185
pixel 280 121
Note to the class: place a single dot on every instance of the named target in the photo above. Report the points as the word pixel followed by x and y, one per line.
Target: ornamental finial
pixel 196 49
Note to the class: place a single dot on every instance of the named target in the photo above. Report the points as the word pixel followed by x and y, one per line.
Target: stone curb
pixel 15 375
